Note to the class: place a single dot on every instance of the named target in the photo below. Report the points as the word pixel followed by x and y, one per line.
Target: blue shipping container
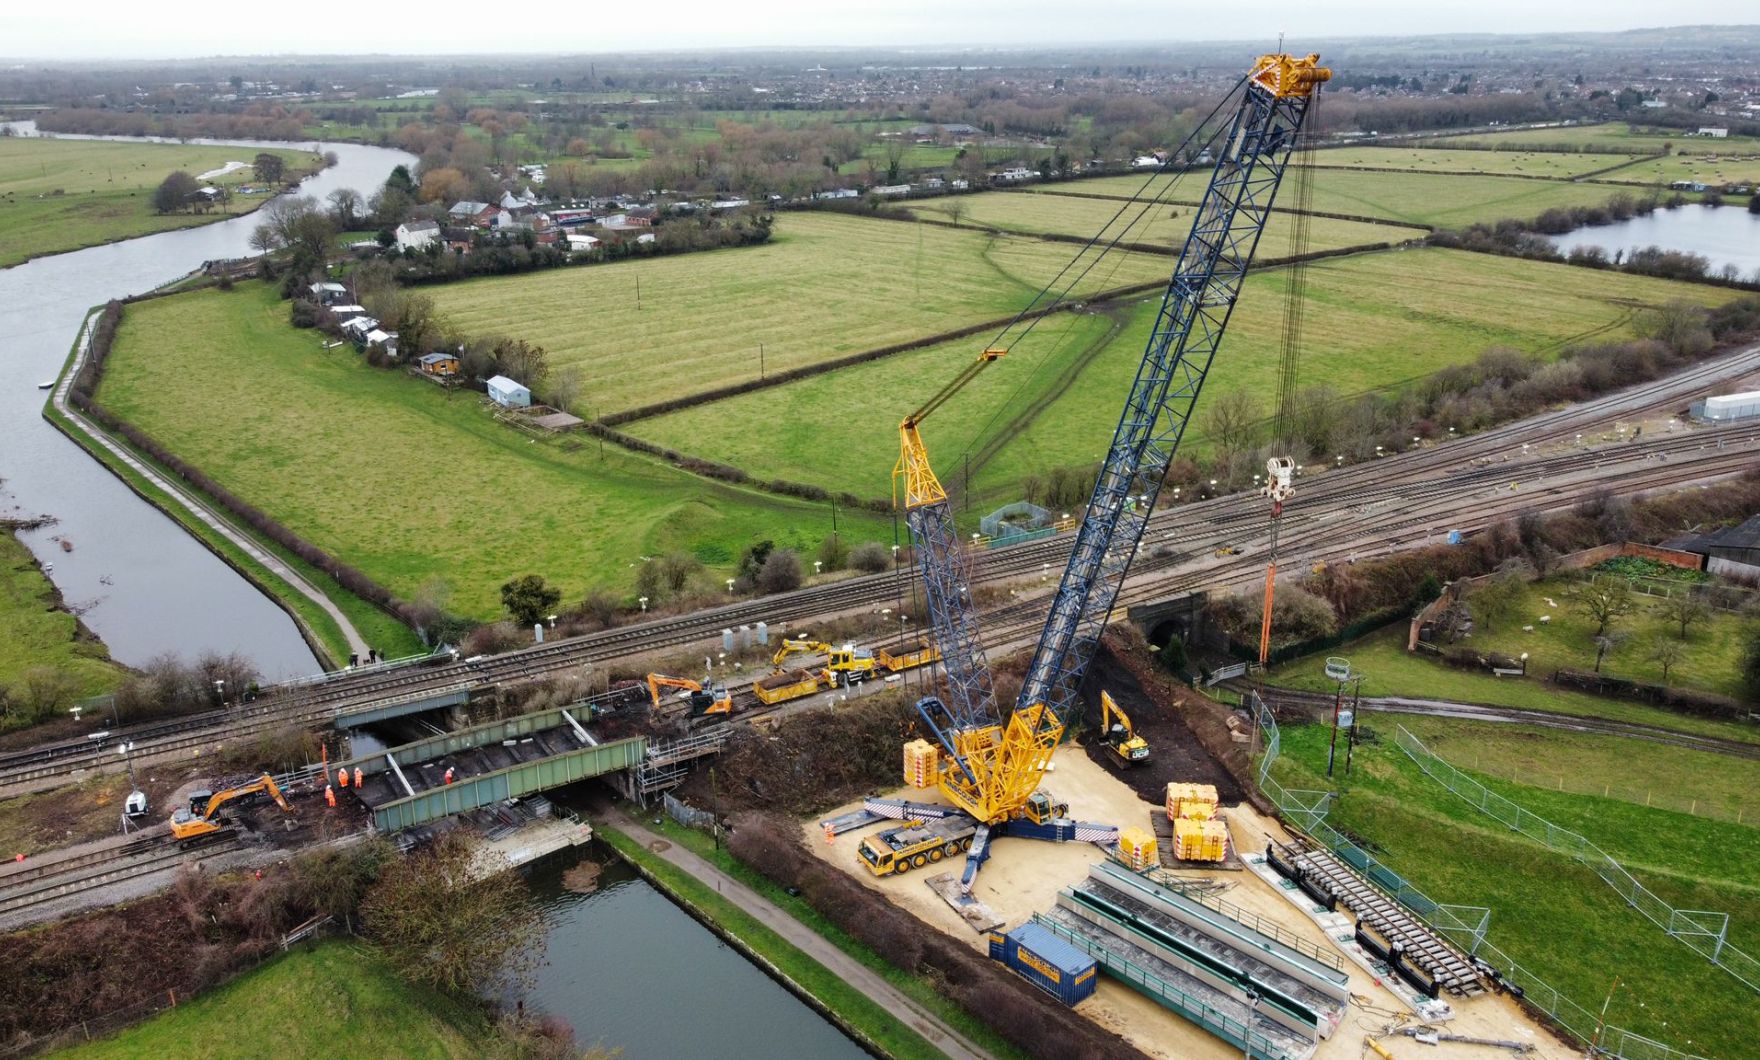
pixel 1046 961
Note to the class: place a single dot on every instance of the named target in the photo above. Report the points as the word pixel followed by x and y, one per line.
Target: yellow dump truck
pixel 790 684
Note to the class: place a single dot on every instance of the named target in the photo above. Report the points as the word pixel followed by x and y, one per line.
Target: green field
pixel 1413 198
pixel 405 480
pixel 35 632
pixel 1613 136
pixel 1727 169
pixel 826 286
pixel 1419 159
pixel 1165 226
pixel 1373 321
pixel 58 195
pixel 1548 911
pixel 338 999
pixel 1390 670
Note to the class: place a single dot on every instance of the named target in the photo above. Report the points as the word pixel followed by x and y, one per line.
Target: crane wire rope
pixel 1144 206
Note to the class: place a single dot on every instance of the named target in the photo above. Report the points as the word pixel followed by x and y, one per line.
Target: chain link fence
pixel 1461 925
pixel 1705 931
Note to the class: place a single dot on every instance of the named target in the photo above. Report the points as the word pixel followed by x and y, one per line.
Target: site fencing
pixel 1465 926
pixel 1705 931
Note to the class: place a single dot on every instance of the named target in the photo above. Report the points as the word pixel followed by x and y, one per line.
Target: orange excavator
pixel 715 699
pixel 202 816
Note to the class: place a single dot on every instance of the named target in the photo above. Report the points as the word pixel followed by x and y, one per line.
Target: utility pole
pixel 1332 746
pixel 760 362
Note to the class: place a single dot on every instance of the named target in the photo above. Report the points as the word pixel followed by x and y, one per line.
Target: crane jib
pixel 1194 313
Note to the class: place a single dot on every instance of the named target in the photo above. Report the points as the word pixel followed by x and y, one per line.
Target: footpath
pixel 841 964
pixel 195 507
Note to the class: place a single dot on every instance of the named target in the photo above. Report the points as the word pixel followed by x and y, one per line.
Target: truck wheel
pixel 919 861
pixel 966 843
pixel 936 855
pixel 950 849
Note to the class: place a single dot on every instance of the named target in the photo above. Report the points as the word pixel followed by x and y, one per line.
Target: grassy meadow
pixel 1612 137
pixel 1443 200
pixel 1165 226
pixel 58 195
pixel 1726 169
pixel 338 997
pixel 408 481
pixel 1420 159
pixel 827 285
pixel 1548 911
pixel 1373 321
pixel 36 632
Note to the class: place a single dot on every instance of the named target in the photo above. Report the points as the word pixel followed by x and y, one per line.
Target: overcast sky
pixel 136 29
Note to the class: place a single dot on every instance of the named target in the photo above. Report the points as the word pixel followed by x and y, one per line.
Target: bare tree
pixel 1666 653
pixel 347 206
pixel 1494 600
pixel 1231 422
pixel 445 925
pixel 1605 601
pixel 1684 609
pixel 955 210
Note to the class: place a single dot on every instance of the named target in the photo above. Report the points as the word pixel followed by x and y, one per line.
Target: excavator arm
pixel 791 647
pixel 189 823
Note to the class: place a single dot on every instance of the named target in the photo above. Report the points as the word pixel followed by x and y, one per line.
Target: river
pixel 628 969
pixel 138 579
pixel 1727 235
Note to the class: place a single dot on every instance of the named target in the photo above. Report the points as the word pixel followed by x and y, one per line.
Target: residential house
pixel 580 241
pixel 356 328
pixel 439 364
pixel 327 293
pixel 417 235
pixel 508 393
pixel 1716 134
pixel 384 340
pixel 476 214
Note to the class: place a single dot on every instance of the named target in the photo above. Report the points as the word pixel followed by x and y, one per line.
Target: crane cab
pixel 198 802
pixel 1042 807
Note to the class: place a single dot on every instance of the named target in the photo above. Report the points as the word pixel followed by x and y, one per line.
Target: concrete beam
pixel 401 779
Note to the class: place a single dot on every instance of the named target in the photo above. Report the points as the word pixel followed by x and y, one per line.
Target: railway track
pixel 32 885
pixel 1359 510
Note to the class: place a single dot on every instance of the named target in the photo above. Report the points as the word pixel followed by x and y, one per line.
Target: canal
pixel 630 970
pixel 139 581
pixel 1725 235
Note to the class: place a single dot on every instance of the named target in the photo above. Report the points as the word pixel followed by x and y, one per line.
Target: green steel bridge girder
pixel 473 792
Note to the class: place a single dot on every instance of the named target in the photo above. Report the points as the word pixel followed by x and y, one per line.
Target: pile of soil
pixel 1175 751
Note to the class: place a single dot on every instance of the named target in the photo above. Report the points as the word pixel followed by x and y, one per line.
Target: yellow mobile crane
pixel 993 762
pixel 202 816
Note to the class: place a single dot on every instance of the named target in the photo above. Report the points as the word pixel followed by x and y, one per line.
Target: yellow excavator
pixel 202 816
pixel 1120 734
pixel 847 665
pixel 715 699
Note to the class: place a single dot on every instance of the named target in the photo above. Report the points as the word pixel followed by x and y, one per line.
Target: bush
pixel 780 573
pixel 871 558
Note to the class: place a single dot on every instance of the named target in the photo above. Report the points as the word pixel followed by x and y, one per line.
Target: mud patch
pixel 1175 753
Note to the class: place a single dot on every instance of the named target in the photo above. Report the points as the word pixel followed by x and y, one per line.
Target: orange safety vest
pixel 448 774
pixel 357 776
pixel 342 778
pixel 330 795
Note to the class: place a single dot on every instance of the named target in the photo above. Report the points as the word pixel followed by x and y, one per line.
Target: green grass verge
pixel 1443 200
pixel 915 987
pixel 1381 320
pixel 405 480
pixel 58 195
pixel 885 1029
pixel 336 999
pixel 1552 913
pixel 1390 670
pixel 825 286
pixel 36 631
pixel 1719 787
